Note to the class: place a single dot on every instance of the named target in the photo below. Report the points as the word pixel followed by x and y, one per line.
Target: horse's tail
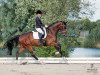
pixel 12 42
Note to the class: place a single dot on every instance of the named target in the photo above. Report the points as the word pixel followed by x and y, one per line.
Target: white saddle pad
pixel 36 35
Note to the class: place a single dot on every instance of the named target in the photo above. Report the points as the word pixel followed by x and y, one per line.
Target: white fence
pixel 10 60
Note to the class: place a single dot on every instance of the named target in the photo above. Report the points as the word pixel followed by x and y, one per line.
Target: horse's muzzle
pixel 63 32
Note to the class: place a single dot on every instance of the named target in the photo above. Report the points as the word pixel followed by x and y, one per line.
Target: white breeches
pixel 40 30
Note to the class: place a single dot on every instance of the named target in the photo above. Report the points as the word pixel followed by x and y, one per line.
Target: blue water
pixel 85 52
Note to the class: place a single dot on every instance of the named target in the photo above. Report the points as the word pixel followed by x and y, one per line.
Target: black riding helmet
pixel 38 12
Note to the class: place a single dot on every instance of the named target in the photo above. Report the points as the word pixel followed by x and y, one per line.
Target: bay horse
pixel 26 40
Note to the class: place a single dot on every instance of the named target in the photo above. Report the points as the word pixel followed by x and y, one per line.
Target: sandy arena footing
pixel 50 69
pixel 52 66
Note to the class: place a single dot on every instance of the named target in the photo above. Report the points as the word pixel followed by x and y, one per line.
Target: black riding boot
pixel 41 40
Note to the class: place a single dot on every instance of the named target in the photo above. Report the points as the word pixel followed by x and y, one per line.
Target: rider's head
pixel 39 13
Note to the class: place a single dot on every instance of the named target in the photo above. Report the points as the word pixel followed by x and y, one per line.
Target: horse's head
pixel 58 26
pixel 62 27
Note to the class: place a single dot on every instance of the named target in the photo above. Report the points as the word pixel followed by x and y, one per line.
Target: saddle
pixel 37 35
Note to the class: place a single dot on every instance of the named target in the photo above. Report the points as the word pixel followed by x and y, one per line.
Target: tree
pixel 94 36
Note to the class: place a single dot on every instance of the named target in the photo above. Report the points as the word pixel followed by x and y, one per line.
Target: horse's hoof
pixel 23 63
pixel 41 62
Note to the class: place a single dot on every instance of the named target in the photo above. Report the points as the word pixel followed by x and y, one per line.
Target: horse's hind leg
pixel 21 49
pixel 31 51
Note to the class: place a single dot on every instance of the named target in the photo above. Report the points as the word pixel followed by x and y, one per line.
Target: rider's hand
pixel 46 26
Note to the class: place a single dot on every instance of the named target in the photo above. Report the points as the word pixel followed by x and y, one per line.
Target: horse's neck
pixel 53 30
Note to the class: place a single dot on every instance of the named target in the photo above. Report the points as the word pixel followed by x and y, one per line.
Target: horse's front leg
pixel 58 48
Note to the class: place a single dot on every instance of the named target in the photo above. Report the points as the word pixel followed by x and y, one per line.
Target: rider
pixel 39 25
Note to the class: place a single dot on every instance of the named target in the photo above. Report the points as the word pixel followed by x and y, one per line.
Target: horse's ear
pixel 66 22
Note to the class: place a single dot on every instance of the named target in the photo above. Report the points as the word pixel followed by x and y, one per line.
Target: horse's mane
pixel 50 25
